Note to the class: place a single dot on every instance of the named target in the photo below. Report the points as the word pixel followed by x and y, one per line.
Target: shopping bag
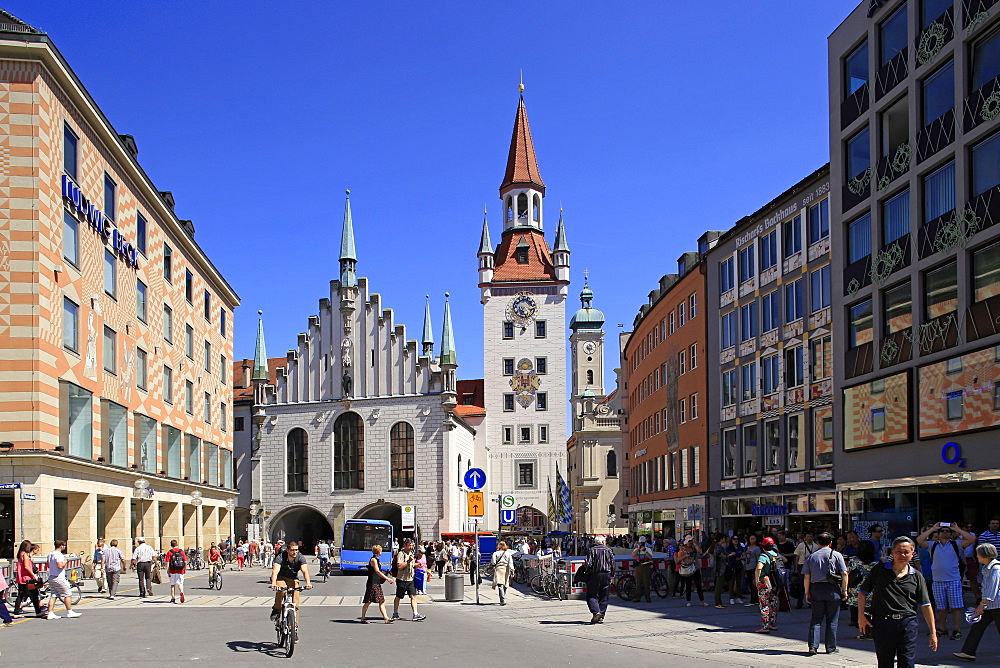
pixel 157 578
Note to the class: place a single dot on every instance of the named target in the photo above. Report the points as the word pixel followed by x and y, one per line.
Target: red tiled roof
pixel 474 391
pixel 246 393
pixel 539 267
pixel 522 165
pixel 469 411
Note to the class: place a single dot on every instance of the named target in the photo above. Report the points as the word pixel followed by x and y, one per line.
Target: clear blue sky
pixel 653 122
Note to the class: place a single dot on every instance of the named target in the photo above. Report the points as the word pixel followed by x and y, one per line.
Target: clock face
pixel 522 308
pixel 589 347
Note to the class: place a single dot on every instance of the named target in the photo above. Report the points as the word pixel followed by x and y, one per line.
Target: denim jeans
pixel 825 600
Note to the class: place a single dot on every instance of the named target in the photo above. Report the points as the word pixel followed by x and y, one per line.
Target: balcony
pixel 855 105
pixel 983 105
pixel 937 135
pixel 891 74
pixel 934 38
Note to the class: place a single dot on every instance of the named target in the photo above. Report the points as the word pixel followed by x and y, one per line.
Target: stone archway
pixel 531 521
pixel 390 512
pixel 302 523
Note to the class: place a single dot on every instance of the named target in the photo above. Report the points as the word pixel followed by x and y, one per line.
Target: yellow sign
pixel 477 506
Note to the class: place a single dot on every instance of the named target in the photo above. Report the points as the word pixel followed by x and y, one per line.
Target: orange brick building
pixel 666 373
pixel 115 328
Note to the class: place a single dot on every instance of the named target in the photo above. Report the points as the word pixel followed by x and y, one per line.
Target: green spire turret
pixel 561 243
pixel 448 336
pixel 260 371
pixel 428 338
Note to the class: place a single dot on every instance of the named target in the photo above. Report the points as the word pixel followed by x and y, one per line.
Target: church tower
pixel 587 347
pixel 523 287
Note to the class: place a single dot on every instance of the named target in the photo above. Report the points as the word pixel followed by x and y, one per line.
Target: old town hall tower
pixel 524 285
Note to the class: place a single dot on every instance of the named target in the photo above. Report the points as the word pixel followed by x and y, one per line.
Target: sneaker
pixel 705 603
pixel 418 617
pixel 52 615
pixel 274 615
pixel 963 655
pixel 833 651
pixel 182 597
pixel 601 620
pixel 74 613
pixel 941 633
pixel 763 630
pixel 173 600
pixel 732 601
pixel 688 604
pixel 596 619
pixel 957 635
pixel 813 650
pixel 111 598
pixel 740 601
pixel 395 615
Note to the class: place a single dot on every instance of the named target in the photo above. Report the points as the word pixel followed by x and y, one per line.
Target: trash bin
pixel 454 587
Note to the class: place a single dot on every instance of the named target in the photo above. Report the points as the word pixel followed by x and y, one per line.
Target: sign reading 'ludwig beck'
pixel 99 222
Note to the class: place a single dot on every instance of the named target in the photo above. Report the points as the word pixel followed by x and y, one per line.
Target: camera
pixel 945 524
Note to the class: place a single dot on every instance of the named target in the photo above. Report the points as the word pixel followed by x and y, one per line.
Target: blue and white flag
pixel 565 500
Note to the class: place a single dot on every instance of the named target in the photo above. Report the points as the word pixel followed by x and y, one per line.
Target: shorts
pixel 177 579
pixel 948 594
pixel 405 588
pixel 59 587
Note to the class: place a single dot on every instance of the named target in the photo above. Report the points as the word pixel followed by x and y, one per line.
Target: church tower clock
pixel 523 285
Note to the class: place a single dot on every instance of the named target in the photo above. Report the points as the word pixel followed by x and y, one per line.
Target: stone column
pixel 117 512
pixel 170 523
pixel 81 511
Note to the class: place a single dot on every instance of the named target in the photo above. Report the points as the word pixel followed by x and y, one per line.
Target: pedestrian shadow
pixel 770 652
pixel 574 622
pixel 266 648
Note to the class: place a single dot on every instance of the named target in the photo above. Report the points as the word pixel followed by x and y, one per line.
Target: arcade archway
pixel 301 523
pixel 390 512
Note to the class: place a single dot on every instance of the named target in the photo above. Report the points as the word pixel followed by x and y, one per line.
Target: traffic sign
pixel 507 501
pixel 17 485
pixel 28 497
pixel 508 516
pixel 475 479
pixel 477 506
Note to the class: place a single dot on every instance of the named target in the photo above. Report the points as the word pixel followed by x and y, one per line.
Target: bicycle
pixel 625 586
pixel 325 570
pixel 562 584
pixel 215 576
pixel 520 575
pixel 195 560
pixel 285 626
pixel 659 583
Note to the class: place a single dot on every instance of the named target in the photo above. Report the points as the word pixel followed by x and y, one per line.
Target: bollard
pixel 454 587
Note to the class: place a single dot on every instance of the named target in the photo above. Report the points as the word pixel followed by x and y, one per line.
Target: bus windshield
pixel 364 536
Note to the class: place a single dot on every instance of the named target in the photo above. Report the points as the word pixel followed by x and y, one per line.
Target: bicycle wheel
pixel 218 580
pixel 659 584
pixel 536 585
pixel 488 570
pixel 289 632
pixel 562 586
pixel 550 584
pixel 10 596
pixel 626 588
pixel 77 593
pixel 519 575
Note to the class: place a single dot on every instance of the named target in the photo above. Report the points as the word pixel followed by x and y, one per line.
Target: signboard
pixel 773 521
pixel 409 518
pixel 475 478
pixel 477 505
pixel 10 485
pixel 28 497
pixel 507 501
pixel 508 516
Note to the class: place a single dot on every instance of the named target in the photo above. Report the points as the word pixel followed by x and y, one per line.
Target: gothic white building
pixel 361 420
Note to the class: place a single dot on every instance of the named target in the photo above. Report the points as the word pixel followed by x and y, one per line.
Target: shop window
pixel 856 69
pixel 172 451
pixel 114 428
pixel 940 291
pixel 193 467
pixel 212 463
pixel 146 453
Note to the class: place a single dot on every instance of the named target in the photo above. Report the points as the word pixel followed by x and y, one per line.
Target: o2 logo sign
pixel 951 453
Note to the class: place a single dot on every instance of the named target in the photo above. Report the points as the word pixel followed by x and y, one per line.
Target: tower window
pixel 541 365
pixel 508 402
pixel 521 255
pixel 509 212
pixel 539 329
pixel 590 376
pixel 522 206
pixel 508 366
pixel 536 209
pixel 541 401
pixel 508 330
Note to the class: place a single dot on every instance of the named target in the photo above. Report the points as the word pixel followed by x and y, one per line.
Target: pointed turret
pixel 485 245
pixel 485 260
pixel 348 256
pixel 428 339
pixel 522 189
pixel 448 361
pixel 560 253
pixel 260 370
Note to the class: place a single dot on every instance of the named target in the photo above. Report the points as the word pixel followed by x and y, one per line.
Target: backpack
pixel 833 576
pixel 958 553
pixel 176 562
pixel 394 569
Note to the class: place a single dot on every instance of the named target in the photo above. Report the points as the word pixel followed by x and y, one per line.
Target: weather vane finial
pixel 520 85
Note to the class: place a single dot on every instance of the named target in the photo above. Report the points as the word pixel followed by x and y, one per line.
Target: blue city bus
pixel 359 537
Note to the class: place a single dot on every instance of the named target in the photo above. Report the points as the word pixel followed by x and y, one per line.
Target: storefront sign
pixel 99 222
pixel 773 521
pixel 951 453
pixel 757 509
pixel 409 518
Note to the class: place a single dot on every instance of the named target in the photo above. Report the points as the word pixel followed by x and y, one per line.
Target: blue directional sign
pixel 28 497
pixel 17 485
pixel 508 516
pixel 475 478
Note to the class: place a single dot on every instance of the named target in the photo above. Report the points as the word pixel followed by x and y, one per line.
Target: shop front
pixel 809 511
pixel 670 518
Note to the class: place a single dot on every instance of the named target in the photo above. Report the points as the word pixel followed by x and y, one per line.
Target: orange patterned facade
pixel 85 353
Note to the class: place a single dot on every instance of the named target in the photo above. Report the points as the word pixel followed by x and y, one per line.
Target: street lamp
pixel 196 501
pixel 141 487
pixel 230 506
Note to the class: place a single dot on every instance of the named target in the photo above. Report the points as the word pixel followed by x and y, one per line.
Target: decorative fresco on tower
pixel 525 382
pixel 960 394
pixel 877 413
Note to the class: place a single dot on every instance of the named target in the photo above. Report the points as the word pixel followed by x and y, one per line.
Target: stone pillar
pixel 187 531
pixel 170 523
pixel 39 519
pixel 82 516
pixel 116 513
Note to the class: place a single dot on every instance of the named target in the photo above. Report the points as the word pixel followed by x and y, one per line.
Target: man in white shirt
pixel 323 552
pixel 802 552
pixel 142 562
pixel 58 584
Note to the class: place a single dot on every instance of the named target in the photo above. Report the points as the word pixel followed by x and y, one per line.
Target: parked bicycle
pixel 659 582
pixel 624 583
pixel 286 626
pixel 520 575
pixel 195 560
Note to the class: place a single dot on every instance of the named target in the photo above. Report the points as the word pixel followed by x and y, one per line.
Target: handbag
pixel 581 575
pixel 688 570
pixel 157 578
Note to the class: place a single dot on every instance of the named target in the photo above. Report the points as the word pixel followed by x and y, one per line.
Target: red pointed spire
pixel 522 165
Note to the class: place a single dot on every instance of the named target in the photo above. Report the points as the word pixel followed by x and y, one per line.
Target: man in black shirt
pixel 600 564
pixel 900 593
pixel 286 568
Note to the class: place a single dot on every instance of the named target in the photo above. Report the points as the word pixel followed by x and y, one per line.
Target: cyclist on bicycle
pixel 323 552
pixel 287 566
pixel 215 560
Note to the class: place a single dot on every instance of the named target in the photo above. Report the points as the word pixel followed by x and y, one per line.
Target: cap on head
pixel 140 539
pixel 767 542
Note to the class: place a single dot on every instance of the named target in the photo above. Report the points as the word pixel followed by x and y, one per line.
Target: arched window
pixel 612 465
pixel 536 209
pixel 509 215
pixel 590 376
pixel 349 452
pixel 401 454
pixel 297 460
pixel 522 206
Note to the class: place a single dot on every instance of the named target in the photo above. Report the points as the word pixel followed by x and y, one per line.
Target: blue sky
pixel 652 121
